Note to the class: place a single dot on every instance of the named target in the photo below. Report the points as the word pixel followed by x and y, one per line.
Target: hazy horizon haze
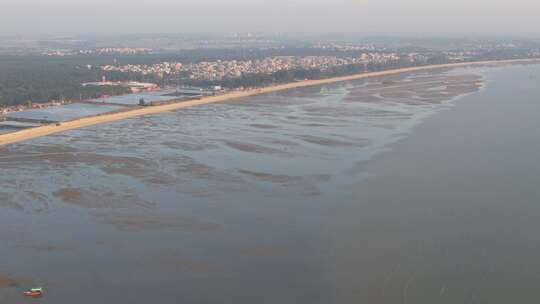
pixel 380 16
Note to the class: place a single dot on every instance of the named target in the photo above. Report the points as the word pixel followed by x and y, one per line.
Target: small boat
pixel 34 292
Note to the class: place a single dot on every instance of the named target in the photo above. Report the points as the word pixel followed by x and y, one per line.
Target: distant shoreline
pixel 27 134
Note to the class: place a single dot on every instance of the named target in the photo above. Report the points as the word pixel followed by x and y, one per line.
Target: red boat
pixel 34 293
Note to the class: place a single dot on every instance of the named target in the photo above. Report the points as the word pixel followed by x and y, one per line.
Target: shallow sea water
pixel 233 202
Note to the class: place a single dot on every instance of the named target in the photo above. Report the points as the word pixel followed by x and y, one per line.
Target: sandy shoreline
pixel 28 134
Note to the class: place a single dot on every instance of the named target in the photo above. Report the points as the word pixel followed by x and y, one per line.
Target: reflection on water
pixel 65 112
pixel 222 201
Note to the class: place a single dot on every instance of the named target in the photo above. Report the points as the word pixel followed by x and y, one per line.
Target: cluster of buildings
pixel 533 54
pixel 221 69
pixel 458 56
pixel 343 46
pixel 122 51
pixel 134 86
pixel 98 51
pixel 160 69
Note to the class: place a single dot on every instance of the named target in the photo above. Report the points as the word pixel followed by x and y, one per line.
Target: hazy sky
pixel 479 16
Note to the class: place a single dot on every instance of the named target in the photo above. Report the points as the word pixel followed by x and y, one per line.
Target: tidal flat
pixel 222 201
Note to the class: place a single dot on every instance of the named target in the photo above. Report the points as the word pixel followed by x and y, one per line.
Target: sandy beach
pixel 28 134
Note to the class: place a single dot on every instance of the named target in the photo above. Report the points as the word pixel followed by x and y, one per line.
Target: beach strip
pixel 49 129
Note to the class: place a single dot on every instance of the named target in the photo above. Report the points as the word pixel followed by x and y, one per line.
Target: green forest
pixel 30 79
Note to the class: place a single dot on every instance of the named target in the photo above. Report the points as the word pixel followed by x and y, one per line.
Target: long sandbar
pixel 45 130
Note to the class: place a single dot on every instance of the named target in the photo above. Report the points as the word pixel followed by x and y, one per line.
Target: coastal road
pixel 27 134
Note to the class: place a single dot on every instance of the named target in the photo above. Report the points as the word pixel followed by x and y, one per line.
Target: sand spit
pixel 28 134
pixel 94 199
pixel 151 222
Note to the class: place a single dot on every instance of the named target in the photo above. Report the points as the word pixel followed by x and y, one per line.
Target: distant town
pixel 99 51
pixel 222 69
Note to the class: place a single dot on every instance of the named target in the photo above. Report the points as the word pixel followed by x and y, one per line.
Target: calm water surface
pixel 387 191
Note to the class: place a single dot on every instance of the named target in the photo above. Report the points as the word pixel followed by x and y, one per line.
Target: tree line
pixel 23 81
